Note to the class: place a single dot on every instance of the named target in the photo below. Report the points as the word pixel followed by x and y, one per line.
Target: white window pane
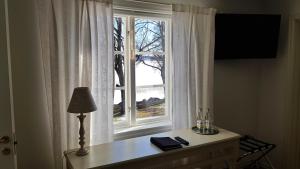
pixel 119 94
pixel 119 106
pixel 119 68
pixel 150 102
pixel 149 35
pixel 149 87
pixel 119 33
pixel 150 70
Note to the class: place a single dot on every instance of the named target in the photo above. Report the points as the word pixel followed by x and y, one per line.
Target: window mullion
pixel 132 71
pixel 127 72
pixel 168 68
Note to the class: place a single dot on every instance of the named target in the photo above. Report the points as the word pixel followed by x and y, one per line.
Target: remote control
pixel 182 141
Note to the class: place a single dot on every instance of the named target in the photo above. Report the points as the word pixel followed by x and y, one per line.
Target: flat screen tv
pixel 241 36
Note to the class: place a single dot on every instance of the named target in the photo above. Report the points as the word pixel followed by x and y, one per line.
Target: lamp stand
pixel 82 151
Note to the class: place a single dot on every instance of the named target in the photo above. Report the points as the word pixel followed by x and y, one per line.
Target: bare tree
pixel 119 59
pixel 150 36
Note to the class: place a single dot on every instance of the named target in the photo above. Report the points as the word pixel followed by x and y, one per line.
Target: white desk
pixel 210 152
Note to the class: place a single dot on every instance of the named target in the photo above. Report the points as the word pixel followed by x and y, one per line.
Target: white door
pixel 7 154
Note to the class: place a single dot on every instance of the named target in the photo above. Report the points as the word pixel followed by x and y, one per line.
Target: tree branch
pixel 150 65
pixel 156 46
pixel 155 40
pixel 145 35
pixel 157 60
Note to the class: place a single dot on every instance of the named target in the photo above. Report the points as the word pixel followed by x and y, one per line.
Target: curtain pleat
pixel 98 54
pixel 193 59
pixel 59 43
pixel 76 43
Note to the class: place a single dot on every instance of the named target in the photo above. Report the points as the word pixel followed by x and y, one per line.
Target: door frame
pixel 7 33
pixel 292 115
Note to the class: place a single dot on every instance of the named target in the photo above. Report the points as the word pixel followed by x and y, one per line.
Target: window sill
pixel 142 130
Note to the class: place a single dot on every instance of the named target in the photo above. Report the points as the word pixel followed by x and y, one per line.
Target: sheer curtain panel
pixel 193 62
pixel 58 34
pixel 98 68
pixel 76 44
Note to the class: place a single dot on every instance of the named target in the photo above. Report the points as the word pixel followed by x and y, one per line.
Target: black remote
pixel 182 141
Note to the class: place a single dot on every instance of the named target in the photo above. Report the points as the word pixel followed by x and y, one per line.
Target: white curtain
pixel 58 34
pixel 193 62
pixel 76 44
pixel 97 55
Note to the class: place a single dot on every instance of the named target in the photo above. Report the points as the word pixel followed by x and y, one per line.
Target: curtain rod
pixel 150 2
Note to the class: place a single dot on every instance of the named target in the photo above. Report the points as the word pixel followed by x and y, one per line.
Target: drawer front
pixel 214 156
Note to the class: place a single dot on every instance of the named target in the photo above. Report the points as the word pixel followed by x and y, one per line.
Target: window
pixel 142 92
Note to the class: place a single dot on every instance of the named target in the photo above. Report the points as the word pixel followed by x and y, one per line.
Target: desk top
pixel 140 147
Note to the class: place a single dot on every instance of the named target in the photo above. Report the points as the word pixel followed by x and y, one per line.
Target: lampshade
pixel 82 101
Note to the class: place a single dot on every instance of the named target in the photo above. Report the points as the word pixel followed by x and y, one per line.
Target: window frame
pixel 130 86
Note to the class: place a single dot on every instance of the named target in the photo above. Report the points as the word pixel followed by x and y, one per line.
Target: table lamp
pixel 81 102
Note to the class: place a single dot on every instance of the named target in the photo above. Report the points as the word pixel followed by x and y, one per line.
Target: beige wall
pixel 236 95
pixel 293 6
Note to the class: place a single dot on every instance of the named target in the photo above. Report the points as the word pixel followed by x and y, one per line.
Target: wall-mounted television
pixel 241 36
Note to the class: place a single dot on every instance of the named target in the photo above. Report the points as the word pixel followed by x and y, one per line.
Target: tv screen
pixel 246 36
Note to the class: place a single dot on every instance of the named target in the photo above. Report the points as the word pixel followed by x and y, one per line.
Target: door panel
pixel 6 141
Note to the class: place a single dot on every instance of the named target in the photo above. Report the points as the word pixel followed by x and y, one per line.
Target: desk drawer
pixel 209 157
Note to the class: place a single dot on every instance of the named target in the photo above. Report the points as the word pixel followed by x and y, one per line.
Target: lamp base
pixel 82 152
